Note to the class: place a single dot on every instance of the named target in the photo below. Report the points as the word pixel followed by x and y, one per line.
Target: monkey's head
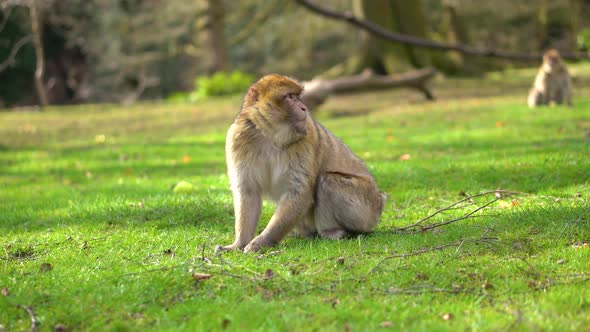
pixel 274 105
pixel 551 61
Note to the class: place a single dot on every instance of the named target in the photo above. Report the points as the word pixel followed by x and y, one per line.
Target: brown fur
pixel 275 149
pixel 552 84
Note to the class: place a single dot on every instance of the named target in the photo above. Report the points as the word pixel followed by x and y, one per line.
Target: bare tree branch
pixel 426 43
pixel 10 61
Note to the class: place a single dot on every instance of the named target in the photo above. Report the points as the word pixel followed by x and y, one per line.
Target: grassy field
pixel 93 237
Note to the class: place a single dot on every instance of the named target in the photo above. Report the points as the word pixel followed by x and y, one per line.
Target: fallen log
pixel 318 90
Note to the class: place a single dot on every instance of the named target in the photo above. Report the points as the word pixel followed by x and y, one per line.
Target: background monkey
pixel 274 148
pixel 553 83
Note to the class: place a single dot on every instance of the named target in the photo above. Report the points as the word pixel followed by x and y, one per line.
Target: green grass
pixel 87 190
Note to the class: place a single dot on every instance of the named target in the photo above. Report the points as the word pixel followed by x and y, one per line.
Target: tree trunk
pixel 396 15
pixel 576 8
pixel 36 28
pixel 454 31
pixel 558 25
pixel 216 14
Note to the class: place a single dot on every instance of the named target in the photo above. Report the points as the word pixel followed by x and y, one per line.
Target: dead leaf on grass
pixel 507 205
pixel 201 276
pixel 60 328
pixel 5 291
pixel 268 274
pixel 46 267
pixel 333 302
pixel 421 276
pixel 405 157
pixel 386 324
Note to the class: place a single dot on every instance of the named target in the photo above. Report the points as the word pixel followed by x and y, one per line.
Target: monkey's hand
pixel 221 249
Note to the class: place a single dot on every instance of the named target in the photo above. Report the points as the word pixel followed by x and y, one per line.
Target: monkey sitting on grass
pixel 276 149
pixel 552 84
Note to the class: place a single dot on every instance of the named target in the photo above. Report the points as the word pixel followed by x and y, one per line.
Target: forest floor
pixel 93 236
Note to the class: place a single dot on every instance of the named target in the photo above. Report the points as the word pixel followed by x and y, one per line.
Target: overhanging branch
pixel 11 60
pixel 426 43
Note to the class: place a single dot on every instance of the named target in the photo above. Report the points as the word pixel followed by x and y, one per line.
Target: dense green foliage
pixel 93 237
pixel 218 84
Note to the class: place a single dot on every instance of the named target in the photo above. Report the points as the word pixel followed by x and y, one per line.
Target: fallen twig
pixel 425 289
pixel 34 321
pixel 567 225
pixel 457 244
pixel 499 195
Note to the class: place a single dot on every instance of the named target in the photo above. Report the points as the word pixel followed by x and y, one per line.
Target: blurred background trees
pixel 126 50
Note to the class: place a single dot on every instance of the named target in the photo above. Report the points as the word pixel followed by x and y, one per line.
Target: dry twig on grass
pixel 31 313
pixel 456 244
pixel 417 227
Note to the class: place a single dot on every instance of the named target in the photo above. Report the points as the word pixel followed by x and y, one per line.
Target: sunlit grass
pixel 88 190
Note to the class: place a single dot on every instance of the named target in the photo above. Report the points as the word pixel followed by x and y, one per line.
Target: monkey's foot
pixel 334 234
pixel 253 247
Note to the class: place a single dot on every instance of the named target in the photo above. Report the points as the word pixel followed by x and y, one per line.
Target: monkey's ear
pixel 253 95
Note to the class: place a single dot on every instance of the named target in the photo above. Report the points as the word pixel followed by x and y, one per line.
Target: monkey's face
pixel 551 61
pixel 274 105
pixel 295 110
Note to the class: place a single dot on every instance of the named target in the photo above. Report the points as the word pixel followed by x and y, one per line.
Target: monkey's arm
pixel 247 207
pixel 290 209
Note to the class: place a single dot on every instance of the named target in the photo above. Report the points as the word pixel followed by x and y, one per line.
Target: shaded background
pixel 128 50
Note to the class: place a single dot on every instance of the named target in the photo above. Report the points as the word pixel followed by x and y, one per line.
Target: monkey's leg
pixel 535 98
pixel 563 95
pixel 247 207
pixel 558 97
pixel 290 209
pixel 346 205
pixel 305 227
pixel 568 99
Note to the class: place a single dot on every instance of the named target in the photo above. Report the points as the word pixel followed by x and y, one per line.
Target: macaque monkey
pixel 553 83
pixel 276 149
